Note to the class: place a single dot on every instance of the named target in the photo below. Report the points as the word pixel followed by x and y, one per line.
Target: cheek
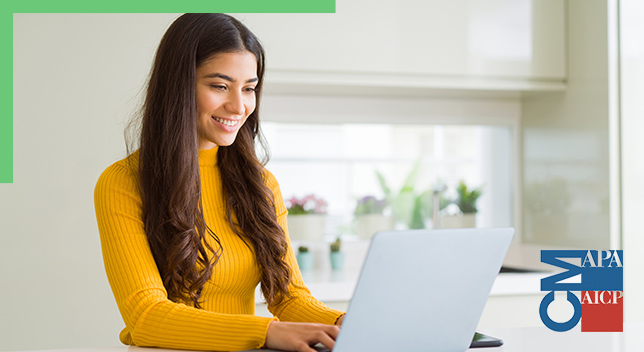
pixel 250 106
pixel 206 101
pixel 201 102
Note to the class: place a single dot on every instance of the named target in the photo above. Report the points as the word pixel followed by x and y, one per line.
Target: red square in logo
pixel 602 311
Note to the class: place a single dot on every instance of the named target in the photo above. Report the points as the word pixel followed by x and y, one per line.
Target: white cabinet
pixel 499 39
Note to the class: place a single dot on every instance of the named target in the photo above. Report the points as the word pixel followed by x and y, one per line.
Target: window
pixel 338 162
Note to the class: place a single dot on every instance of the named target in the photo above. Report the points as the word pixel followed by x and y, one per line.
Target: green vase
pixel 304 260
pixel 337 260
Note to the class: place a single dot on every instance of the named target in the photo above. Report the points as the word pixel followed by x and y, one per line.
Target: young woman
pixel 191 222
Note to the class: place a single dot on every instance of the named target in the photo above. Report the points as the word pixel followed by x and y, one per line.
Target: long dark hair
pixel 169 166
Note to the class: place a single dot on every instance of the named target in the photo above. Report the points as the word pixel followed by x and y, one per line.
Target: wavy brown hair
pixel 169 166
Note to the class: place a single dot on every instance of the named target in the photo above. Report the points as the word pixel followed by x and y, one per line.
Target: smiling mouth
pixel 229 123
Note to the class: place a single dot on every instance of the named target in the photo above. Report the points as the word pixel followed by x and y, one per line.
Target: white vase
pixel 308 227
pixel 458 221
pixel 368 224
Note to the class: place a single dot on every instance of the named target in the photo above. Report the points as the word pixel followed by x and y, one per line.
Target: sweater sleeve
pixel 150 318
pixel 302 307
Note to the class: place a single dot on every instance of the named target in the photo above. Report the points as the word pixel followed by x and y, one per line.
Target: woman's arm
pixel 150 318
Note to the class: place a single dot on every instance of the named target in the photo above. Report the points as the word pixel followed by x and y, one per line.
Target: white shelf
pixel 400 84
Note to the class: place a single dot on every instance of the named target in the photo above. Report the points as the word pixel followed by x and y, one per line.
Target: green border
pixel 115 6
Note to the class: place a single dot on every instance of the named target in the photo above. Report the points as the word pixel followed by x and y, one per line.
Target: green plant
pixel 370 205
pixel 409 206
pixel 422 210
pixel 335 246
pixel 466 199
pixel 403 203
pixel 303 249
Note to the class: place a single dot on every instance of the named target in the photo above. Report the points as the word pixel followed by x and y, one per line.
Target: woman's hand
pixel 300 336
pixel 339 321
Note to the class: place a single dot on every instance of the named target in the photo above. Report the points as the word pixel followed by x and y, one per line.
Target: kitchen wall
pixel 77 79
pixel 566 142
pixel 631 60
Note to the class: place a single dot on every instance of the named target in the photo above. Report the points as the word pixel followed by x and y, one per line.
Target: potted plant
pixel 466 201
pixel 337 257
pixel 306 217
pixel 370 217
pixel 304 258
pixel 410 207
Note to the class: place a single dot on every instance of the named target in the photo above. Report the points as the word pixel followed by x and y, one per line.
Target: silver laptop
pixel 423 290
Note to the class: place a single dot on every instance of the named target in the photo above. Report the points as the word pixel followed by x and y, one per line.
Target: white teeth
pixel 226 122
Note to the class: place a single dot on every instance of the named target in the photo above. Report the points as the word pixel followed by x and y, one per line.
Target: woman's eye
pixel 216 86
pixel 250 89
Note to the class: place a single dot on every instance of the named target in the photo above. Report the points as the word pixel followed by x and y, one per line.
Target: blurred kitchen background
pixel 536 103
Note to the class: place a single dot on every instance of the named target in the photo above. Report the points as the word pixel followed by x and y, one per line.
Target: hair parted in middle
pixel 169 166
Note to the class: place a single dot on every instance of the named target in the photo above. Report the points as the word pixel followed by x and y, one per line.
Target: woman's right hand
pixel 300 337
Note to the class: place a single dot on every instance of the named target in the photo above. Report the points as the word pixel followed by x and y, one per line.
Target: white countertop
pixel 515 340
pixel 542 339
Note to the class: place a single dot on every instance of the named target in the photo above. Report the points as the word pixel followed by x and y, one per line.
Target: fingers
pixel 326 336
pixel 300 336
pixel 332 330
pixel 327 341
pixel 304 347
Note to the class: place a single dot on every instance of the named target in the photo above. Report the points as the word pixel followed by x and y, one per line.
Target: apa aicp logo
pixel 601 287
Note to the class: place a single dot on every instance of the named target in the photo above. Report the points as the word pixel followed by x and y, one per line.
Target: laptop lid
pixel 423 290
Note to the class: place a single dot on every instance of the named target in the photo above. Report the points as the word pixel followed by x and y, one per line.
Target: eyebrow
pixel 228 78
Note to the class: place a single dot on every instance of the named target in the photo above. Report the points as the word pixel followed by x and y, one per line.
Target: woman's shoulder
pixel 270 180
pixel 123 173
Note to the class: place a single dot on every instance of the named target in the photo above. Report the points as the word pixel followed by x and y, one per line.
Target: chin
pixel 225 142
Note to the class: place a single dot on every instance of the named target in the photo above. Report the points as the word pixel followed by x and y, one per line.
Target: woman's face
pixel 225 97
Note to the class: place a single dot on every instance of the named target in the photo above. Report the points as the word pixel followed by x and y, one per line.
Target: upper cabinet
pixel 516 44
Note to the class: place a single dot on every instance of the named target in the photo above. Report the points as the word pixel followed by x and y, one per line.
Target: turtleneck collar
pixel 208 157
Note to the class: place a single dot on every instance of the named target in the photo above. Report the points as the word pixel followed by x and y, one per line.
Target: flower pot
pixel 458 221
pixel 337 260
pixel 304 260
pixel 309 227
pixel 369 224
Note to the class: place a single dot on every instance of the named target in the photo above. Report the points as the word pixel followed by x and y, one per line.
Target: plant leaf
pixel 383 185
pixel 410 182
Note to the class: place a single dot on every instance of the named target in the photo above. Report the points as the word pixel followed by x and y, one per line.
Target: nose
pixel 235 103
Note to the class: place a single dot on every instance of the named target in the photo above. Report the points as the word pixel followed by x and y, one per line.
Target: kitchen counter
pixel 338 286
pixel 538 339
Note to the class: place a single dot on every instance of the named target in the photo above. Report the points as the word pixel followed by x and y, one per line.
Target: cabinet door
pixel 499 38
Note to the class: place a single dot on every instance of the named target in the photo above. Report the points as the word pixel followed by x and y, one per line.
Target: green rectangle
pixel 6 98
pixel 173 6
pixel 115 6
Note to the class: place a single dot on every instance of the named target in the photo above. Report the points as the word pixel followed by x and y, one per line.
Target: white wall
pixel 76 78
pixel 566 142
pixel 632 127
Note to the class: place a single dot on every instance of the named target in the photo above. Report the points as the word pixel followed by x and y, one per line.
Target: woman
pixel 191 222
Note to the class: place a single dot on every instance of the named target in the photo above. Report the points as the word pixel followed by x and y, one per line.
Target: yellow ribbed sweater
pixel 227 321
